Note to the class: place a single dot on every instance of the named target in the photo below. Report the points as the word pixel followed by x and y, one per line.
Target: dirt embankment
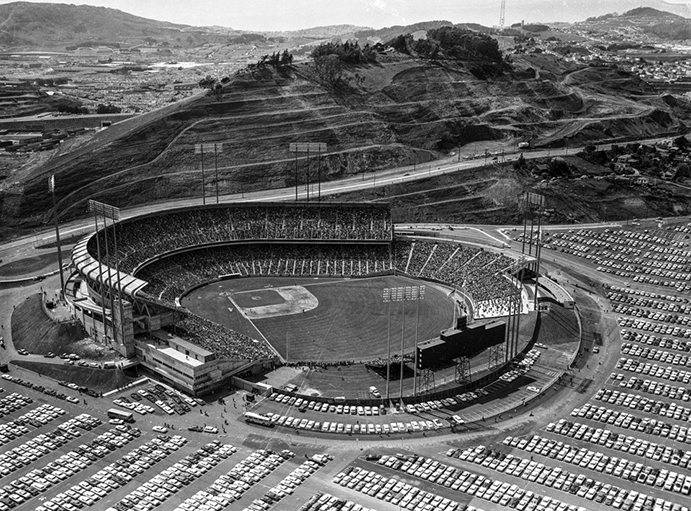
pixel 38 334
pixel 399 106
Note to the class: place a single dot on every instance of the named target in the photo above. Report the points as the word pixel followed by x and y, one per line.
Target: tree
pixel 108 109
pixel 208 82
pixel 329 68
pixel 681 142
pixel 286 58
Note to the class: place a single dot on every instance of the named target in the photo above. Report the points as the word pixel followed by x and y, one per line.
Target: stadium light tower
pixel 402 294
pixel 105 211
pixel 307 147
pixel 201 149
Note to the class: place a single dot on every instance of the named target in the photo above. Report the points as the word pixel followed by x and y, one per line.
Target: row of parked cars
pixel 113 476
pixel 35 448
pixel 355 429
pixel 653 370
pixel 577 484
pixel 662 356
pixel 619 442
pixel 629 421
pixel 615 251
pixel 289 483
pixel 657 388
pixel 167 399
pixel 140 408
pixel 303 404
pixel 655 340
pixel 638 402
pixel 40 480
pixel 174 478
pixel 656 328
pixel 13 402
pixel 37 417
pixel 48 390
pixel 640 298
pixel 327 502
pixel 231 486
pixel 398 493
pixel 497 492
pixel 611 465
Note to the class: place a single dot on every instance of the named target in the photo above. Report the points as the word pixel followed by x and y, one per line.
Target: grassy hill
pixel 379 116
pixel 53 25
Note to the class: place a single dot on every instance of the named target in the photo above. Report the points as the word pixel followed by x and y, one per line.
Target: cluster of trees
pixel 348 53
pixel 213 84
pixel 50 82
pixel 648 158
pixel 450 43
pixel 68 108
pixel 277 59
pixel 330 60
pixel 108 109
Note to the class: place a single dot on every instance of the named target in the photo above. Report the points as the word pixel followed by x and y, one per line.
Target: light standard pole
pixel 402 294
pixel 387 299
pixel 51 187
pixel 420 292
pixel 216 169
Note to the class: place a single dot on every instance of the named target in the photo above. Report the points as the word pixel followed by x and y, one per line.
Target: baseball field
pixel 325 319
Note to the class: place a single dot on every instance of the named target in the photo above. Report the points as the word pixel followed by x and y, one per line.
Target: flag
pixel 51 183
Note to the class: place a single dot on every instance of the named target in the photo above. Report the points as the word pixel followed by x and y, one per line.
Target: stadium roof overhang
pixel 93 270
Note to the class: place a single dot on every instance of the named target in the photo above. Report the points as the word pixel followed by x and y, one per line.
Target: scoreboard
pixel 463 342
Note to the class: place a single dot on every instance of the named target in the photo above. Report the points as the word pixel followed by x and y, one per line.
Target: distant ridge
pixel 43 25
pixel 648 12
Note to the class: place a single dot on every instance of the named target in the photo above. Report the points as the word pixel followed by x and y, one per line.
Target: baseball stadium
pixel 206 296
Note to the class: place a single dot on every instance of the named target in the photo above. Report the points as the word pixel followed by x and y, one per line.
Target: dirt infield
pixel 351 321
pixel 271 303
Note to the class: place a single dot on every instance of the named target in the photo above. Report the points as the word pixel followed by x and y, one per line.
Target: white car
pixel 160 429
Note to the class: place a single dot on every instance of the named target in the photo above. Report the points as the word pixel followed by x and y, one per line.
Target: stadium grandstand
pixel 129 277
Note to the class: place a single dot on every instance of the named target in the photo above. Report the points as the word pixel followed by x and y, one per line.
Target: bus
pixel 255 418
pixel 114 413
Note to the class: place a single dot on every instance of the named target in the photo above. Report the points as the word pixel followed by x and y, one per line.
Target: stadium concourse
pixel 134 274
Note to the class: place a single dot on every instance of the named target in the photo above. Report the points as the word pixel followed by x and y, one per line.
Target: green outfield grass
pixel 350 323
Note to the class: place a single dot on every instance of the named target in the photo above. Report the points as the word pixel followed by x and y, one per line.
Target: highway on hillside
pixel 386 177
pixel 358 182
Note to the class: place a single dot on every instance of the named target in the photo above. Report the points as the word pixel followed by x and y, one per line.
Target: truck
pixel 114 413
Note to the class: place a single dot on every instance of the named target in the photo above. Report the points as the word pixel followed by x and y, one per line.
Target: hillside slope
pixel 46 25
pixel 395 109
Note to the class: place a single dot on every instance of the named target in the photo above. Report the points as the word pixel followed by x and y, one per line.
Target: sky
pixel 275 15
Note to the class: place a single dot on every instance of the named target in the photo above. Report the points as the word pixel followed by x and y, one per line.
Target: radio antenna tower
pixel 502 14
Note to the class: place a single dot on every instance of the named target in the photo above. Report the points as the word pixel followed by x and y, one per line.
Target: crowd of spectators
pixel 141 239
pixel 225 343
pixel 479 273
pixel 170 277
